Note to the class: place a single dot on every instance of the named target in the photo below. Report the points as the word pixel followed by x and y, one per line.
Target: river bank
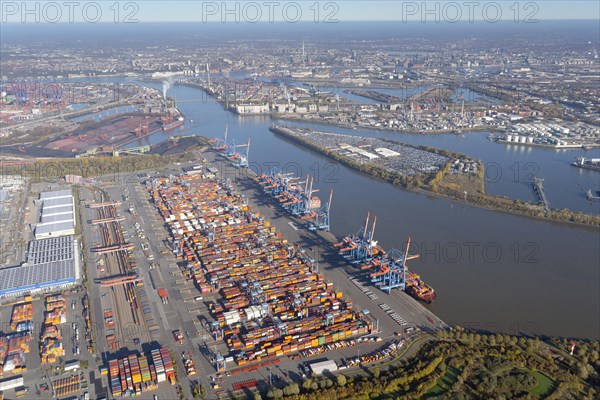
pixel 443 189
pixel 321 121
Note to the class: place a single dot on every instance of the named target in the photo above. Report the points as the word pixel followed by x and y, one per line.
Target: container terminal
pixel 238 280
pixel 388 270
pixel 272 301
pixel 297 197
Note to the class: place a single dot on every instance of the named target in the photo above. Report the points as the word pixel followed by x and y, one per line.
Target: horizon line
pixel 295 23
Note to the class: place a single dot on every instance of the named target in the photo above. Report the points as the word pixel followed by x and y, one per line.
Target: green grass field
pixel 445 382
pixel 545 384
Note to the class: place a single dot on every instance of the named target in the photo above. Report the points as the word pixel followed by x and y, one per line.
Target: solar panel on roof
pixel 50 262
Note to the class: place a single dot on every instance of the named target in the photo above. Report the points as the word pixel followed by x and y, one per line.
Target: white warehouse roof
pixel 54 229
pixel 58 210
pixel 55 195
pixel 55 218
pixel 57 202
pixel 57 214
pixel 318 368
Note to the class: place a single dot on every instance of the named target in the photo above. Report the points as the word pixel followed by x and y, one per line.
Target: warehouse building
pixel 57 217
pixel 318 368
pixel 52 229
pixel 52 264
pixel 11 383
pixel 73 365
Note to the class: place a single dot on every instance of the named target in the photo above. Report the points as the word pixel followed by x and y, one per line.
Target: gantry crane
pixel 321 216
pixel 391 269
pixel 243 158
pixel 358 248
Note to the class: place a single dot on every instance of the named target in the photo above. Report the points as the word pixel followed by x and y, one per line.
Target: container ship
pixel 391 272
pixel 587 163
pixel 419 289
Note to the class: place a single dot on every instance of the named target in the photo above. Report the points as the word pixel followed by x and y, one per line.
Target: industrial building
pixel 318 368
pixel 73 365
pixel 52 264
pixel 57 216
pixel 11 383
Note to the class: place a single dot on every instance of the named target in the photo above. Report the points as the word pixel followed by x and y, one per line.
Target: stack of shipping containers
pixel 133 374
pixel 51 348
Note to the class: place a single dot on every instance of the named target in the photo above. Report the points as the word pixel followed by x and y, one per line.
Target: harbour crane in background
pixel 321 216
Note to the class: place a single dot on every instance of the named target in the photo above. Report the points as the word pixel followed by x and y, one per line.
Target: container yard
pixel 14 345
pixel 21 313
pixel 232 293
pixel 134 375
pixel 270 300
pixel 51 346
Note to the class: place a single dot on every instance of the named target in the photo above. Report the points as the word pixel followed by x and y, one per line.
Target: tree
pixel 291 389
pixel 257 396
pixel 376 372
pixel 582 371
pixel 341 380
pixel 275 393
pixel 307 384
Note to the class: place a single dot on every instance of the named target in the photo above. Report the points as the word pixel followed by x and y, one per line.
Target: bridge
pixel 538 186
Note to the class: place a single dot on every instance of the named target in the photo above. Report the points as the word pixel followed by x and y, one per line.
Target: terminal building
pixel 57 216
pixel 52 264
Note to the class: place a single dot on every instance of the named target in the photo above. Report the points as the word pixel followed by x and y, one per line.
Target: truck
pixel 108 319
pixel 178 336
pixel 162 293
pixel 188 363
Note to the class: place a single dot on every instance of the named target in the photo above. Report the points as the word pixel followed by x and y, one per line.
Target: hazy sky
pixel 293 11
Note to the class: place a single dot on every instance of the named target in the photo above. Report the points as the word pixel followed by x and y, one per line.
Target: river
pixel 491 270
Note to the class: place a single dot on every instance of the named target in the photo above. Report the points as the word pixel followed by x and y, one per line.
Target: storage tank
pixel 509 138
pixel 522 139
pixel 530 139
